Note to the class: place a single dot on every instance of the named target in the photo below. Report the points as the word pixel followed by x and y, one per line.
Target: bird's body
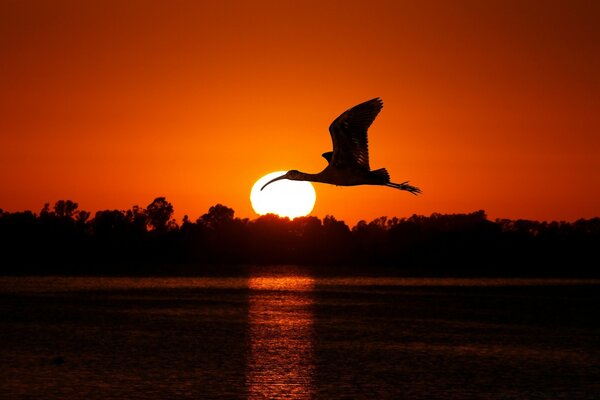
pixel 348 163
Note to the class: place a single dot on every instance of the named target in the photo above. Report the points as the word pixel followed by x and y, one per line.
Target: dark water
pixel 294 336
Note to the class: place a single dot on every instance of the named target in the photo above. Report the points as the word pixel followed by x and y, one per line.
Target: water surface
pixel 296 336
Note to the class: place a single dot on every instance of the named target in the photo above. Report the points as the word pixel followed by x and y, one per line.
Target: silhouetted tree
pixel 306 239
pixel 270 239
pixel 62 239
pixel 110 224
pixel 138 220
pixel 65 209
pixel 159 214
pixel 225 237
pixel 216 216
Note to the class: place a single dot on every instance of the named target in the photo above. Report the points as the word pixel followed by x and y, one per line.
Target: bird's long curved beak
pixel 273 180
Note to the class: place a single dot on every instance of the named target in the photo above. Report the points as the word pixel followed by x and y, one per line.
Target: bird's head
pixel 292 175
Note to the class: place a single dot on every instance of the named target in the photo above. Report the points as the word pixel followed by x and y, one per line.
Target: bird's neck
pixel 312 177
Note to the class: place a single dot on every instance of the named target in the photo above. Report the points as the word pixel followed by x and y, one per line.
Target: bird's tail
pixel 405 186
pixel 382 177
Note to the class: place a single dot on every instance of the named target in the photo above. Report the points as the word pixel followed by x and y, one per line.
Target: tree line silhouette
pixel 66 240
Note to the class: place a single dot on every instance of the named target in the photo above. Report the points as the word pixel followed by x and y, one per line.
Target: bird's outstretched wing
pixel 349 135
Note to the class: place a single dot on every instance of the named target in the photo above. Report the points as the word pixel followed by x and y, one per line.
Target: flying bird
pixel 348 163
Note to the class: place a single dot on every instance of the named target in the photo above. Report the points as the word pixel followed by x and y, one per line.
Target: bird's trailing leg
pixel 404 186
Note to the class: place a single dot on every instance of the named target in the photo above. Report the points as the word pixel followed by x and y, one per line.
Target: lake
pixel 287 333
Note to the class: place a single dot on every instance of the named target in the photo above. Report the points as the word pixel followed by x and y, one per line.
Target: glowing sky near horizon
pixel 487 105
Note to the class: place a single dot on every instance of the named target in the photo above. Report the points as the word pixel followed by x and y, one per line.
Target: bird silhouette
pixel 348 163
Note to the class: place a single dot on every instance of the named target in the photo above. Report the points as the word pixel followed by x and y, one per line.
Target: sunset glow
pixel 281 338
pixel 487 105
pixel 285 198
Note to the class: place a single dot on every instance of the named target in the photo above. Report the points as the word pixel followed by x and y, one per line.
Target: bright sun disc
pixel 285 198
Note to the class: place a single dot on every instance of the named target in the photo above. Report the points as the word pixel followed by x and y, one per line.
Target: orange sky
pixel 487 105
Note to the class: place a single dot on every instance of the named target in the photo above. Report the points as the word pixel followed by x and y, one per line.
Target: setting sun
pixel 285 198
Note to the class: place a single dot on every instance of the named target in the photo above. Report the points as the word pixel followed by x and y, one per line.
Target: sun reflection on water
pixel 281 360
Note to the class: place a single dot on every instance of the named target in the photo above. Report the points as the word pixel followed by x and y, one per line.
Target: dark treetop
pixel 66 240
